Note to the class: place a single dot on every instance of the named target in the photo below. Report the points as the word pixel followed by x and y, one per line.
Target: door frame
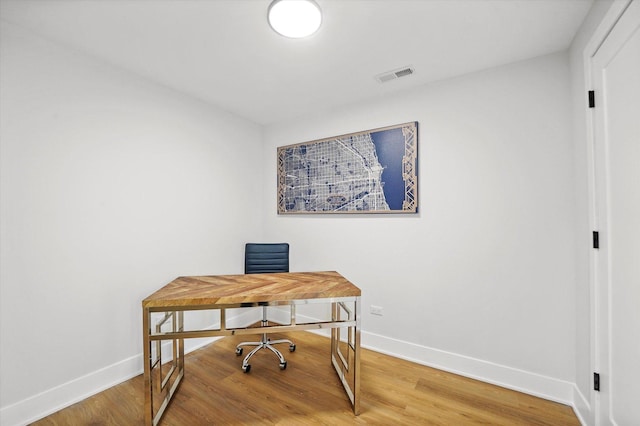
pixel 596 222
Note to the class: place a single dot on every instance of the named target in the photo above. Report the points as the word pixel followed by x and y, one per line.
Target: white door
pixel 616 80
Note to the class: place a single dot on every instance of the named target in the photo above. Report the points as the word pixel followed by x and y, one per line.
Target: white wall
pixel 111 186
pixel 481 281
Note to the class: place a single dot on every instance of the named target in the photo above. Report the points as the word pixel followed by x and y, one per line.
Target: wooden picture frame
pixel 373 171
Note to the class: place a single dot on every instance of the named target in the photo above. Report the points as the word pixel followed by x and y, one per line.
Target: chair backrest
pixel 260 258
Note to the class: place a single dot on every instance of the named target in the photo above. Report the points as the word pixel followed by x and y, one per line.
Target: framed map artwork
pixel 374 171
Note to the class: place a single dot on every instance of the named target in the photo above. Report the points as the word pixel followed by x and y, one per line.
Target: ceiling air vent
pixel 392 75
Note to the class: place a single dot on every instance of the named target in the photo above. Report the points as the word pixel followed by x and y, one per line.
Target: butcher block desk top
pixel 251 288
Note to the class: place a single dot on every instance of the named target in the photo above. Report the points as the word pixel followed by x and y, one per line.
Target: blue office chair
pixel 260 259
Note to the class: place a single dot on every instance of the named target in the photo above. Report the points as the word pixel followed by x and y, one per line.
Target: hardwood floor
pixel 394 392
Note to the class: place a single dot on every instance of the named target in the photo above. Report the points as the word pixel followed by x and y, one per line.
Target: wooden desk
pixel 163 320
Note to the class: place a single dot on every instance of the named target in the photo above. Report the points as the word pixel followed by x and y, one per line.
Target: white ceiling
pixel 224 52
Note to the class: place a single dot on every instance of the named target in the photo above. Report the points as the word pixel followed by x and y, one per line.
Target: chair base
pixel 265 343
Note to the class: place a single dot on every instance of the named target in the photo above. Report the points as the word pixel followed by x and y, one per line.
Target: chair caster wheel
pixel 283 365
pixel 238 351
pixel 246 368
pixel 292 347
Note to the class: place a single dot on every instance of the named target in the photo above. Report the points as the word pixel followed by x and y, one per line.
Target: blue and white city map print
pixel 366 172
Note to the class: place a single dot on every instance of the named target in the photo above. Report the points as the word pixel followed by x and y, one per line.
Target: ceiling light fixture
pixel 294 18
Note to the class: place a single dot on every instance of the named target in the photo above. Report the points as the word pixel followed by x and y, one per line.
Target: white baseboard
pixel 508 377
pixel 511 378
pixel 582 407
pixel 59 397
pixel 64 395
pixel 52 400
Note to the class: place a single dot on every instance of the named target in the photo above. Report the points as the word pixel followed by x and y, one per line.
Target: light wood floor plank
pixel 394 392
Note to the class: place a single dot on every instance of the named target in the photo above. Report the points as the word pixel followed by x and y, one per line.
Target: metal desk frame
pixel 165 379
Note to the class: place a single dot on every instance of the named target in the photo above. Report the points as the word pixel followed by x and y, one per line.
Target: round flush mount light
pixel 294 18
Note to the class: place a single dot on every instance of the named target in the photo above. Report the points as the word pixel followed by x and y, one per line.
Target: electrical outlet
pixel 376 310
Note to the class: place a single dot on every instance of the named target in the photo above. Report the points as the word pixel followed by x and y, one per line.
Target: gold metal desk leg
pixel 146 361
pixel 167 386
pixel 346 357
pixel 356 361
